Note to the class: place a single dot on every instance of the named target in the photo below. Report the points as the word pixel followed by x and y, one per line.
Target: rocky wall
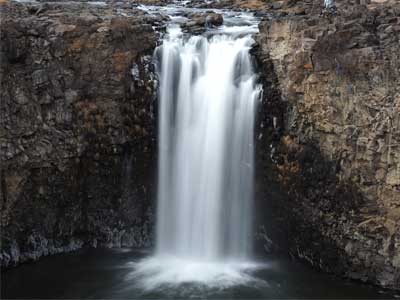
pixel 77 134
pixel 335 159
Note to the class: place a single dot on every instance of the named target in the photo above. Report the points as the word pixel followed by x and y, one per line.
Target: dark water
pixel 104 273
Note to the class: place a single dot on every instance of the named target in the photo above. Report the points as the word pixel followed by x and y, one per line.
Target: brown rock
pixel 342 108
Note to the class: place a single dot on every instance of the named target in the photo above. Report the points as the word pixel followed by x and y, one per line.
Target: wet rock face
pixel 77 135
pixel 337 161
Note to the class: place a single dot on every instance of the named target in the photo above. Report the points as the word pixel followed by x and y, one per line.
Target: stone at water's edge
pixel 77 134
pixel 336 148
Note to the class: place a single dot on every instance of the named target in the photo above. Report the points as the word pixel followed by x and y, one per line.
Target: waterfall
pixel 207 101
pixel 329 4
pixel 206 118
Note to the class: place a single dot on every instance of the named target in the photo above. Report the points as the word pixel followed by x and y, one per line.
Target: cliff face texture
pixel 336 154
pixel 77 134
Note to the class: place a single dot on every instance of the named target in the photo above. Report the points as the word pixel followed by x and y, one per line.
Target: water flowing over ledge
pixel 207 100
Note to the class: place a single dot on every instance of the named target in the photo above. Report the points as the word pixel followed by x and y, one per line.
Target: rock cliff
pixel 77 134
pixel 336 148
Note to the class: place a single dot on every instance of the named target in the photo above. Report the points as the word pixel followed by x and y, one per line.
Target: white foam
pixel 97 3
pixel 161 272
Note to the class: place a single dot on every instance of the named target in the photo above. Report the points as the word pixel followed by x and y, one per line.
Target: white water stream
pixel 207 102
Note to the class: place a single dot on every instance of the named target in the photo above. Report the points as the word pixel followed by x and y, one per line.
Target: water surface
pixel 107 274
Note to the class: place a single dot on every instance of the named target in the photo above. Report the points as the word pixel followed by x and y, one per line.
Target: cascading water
pixel 207 102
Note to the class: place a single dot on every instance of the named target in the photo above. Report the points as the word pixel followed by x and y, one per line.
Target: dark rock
pixel 77 157
pixel 214 19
